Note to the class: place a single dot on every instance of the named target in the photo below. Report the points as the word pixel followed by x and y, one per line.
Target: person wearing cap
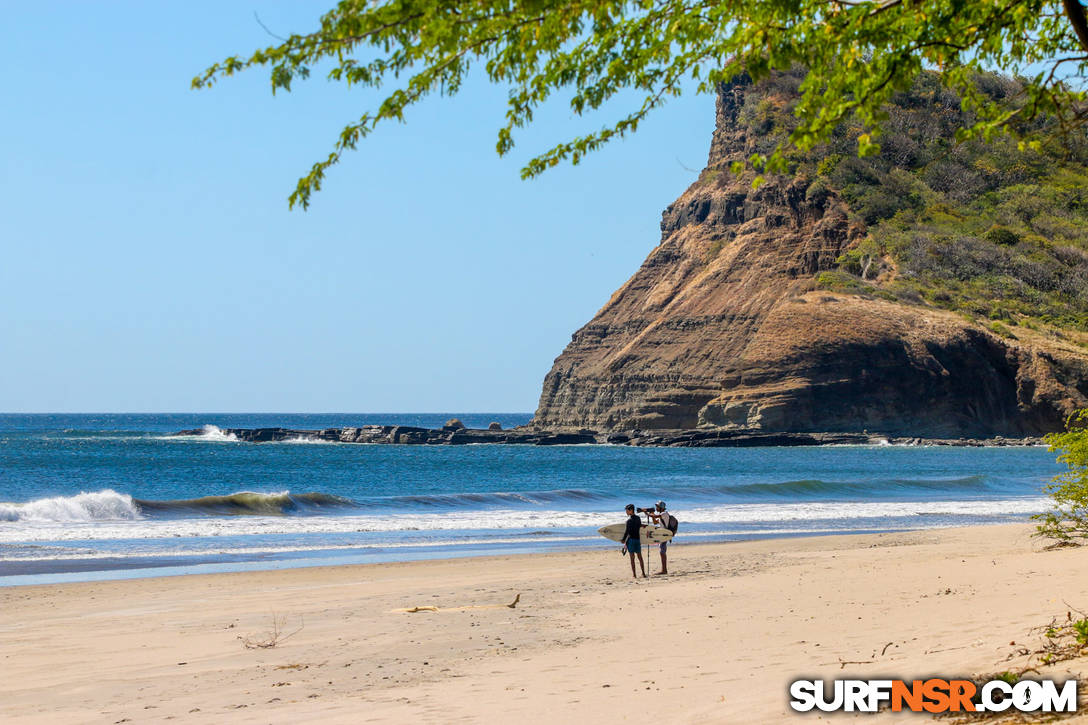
pixel 632 539
pixel 662 518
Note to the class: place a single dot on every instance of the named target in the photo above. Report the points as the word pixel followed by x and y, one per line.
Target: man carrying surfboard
pixel 663 518
pixel 632 544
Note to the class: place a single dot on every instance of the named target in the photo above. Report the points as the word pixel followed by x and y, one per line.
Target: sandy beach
pixel 718 640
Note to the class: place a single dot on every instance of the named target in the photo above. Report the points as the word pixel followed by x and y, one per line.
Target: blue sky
pixel 150 262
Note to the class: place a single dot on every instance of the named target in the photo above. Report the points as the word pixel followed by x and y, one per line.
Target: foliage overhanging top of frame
pixel 588 51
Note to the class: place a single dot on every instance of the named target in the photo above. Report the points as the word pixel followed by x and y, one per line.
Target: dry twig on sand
pixel 273 637
pixel 431 608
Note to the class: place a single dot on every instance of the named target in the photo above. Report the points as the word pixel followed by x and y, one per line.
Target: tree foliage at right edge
pixel 1067 521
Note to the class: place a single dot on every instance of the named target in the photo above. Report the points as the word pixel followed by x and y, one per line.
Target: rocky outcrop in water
pixel 452 435
pixel 698 438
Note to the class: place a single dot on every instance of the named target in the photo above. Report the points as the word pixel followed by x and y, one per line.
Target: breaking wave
pixel 105 505
pixel 248 503
pixel 108 505
pixel 447 527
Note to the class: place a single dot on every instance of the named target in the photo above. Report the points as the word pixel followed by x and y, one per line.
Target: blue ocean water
pixel 107 496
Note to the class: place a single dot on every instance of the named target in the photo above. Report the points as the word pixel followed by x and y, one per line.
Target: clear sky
pixel 150 263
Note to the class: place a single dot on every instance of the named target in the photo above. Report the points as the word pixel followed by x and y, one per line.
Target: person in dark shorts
pixel 662 517
pixel 632 541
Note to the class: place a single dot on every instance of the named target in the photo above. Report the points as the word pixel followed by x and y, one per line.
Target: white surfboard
pixel 650 534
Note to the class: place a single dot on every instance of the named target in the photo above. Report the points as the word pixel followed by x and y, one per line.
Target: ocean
pixel 86 497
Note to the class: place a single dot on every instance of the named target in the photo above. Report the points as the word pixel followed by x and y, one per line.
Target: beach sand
pixel 718 640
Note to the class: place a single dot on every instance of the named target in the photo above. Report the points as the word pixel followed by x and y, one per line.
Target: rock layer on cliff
pixel 725 325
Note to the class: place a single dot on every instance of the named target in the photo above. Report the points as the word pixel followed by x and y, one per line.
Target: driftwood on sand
pixel 429 608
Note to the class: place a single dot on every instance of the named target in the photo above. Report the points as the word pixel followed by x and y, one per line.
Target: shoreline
pixel 26 573
pixel 715 641
pixel 117 568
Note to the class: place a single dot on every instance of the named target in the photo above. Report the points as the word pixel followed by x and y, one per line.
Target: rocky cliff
pixel 730 321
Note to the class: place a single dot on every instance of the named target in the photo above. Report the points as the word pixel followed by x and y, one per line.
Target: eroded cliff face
pixel 723 325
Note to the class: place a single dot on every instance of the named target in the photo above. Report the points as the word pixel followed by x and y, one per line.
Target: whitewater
pixel 110 496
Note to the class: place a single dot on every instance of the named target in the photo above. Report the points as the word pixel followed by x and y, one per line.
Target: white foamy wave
pixel 775 515
pixel 56 553
pixel 825 511
pixel 299 440
pixel 208 434
pixel 215 433
pixel 105 505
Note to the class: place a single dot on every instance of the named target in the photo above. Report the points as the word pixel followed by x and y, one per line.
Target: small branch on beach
pixel 1069 614
pixel 431 608
pixel 273 637
pixel 844 663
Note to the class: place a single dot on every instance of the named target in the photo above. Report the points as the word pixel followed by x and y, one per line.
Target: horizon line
pixel 262 412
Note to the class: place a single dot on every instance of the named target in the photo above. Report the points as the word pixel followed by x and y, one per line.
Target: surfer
pixel 663 518
pixel 632 542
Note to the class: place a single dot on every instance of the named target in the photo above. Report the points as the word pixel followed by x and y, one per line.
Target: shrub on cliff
pixel 1067 521
pixel 864 260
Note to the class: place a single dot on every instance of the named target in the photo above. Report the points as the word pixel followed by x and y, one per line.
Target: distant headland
pixel 934 289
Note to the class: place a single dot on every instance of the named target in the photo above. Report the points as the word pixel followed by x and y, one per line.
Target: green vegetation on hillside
pixel 994 230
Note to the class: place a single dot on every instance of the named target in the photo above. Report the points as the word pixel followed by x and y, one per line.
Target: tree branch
pixel 1075 12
